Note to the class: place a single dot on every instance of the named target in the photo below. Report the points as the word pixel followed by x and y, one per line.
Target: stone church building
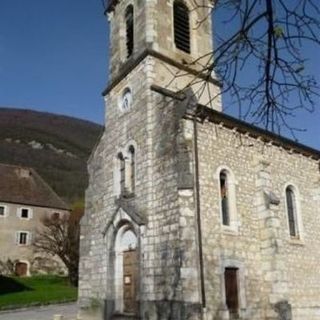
pixel 190 213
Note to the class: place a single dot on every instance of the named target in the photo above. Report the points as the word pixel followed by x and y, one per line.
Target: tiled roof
pixel 24 186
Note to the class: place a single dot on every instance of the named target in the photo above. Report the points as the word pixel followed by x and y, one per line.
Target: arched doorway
pixel 126 270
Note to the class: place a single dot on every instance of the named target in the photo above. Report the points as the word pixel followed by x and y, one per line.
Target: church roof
pixel 22 185
pixel 203 112
pixel 256 132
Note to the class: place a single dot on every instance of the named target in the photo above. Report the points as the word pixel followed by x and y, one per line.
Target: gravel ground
pixel 68 310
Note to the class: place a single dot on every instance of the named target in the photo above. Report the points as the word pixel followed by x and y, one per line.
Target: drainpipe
pixel 196 160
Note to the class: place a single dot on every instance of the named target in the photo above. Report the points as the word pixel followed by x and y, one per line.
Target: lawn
pixel 37 290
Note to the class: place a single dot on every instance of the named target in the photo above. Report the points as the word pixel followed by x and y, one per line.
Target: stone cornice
pixel 133 62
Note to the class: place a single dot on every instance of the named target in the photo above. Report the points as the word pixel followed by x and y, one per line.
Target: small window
pixel 292 212
pixel 2 211
pixel 23 238
pixel 129 30
pixel 132 168
pixel 122 168
pixel 224 193
pixel 24 213
pixel 232 291
pixel 181 26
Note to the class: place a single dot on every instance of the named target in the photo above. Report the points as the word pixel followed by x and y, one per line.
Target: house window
pixel 231 289
pixel 25 213
pixel 292 211
pixel 129 30
pixel 224 194
pixel 181 26
pixel 2 211
pixel 23 238
pixel 132 168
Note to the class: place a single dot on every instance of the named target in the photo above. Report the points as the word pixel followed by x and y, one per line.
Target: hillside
pixel 56 146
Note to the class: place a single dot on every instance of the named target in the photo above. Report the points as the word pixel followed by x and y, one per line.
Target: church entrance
pixel 126 273
pixel 130 281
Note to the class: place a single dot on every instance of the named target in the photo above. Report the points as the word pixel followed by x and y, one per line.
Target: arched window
pixel 132 168
pixel 292 211
pixel 181 26
pixel 224 194
pixel 129 30
pixel 122 168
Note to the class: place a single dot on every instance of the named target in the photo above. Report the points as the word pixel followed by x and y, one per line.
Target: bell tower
pixel 178 33
pixel 141 173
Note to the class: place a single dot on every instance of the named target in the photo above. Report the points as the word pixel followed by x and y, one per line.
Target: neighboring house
pixel 190 213
pixel 25 198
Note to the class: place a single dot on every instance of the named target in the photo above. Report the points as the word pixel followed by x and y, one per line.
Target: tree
pixel 59 236
pixel 268 36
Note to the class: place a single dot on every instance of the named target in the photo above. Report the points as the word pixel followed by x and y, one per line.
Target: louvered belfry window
pixel 129 30
pixel 181 26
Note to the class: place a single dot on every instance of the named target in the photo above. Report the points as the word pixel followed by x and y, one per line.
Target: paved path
pixel 69 311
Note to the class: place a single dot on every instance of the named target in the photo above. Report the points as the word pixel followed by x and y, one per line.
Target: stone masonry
pixel 182 142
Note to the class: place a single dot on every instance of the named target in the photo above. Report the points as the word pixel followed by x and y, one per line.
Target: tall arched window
pixel 292 211
pixel 181 25
pixel 129 30
pixel 132 168
pixel 227 199
pixel 224 194
pixel 122 168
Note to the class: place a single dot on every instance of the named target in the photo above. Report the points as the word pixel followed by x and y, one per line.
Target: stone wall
pixel 274 266
pixel 163 197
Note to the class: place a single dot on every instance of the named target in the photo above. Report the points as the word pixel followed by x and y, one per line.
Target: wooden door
pixel 231 286
pixel 21 269
pixel 130 281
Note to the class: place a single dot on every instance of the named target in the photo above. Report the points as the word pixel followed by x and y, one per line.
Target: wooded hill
pixel 56 146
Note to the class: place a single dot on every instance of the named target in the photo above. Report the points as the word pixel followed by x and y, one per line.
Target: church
pixel 190 213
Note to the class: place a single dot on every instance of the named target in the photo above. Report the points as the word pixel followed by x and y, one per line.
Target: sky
pixel 54 55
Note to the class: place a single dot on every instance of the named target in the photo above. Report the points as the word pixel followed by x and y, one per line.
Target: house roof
pixel 22 185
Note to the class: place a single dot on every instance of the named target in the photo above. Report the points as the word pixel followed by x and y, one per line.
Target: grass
pixel 37 290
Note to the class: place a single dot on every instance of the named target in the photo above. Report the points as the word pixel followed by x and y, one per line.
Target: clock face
pixel 126 100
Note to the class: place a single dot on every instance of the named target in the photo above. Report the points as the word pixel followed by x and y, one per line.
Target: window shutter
pixel 30 238
pixel 129 30
pixel 17 237
pixel 30 213
pixel 181 26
